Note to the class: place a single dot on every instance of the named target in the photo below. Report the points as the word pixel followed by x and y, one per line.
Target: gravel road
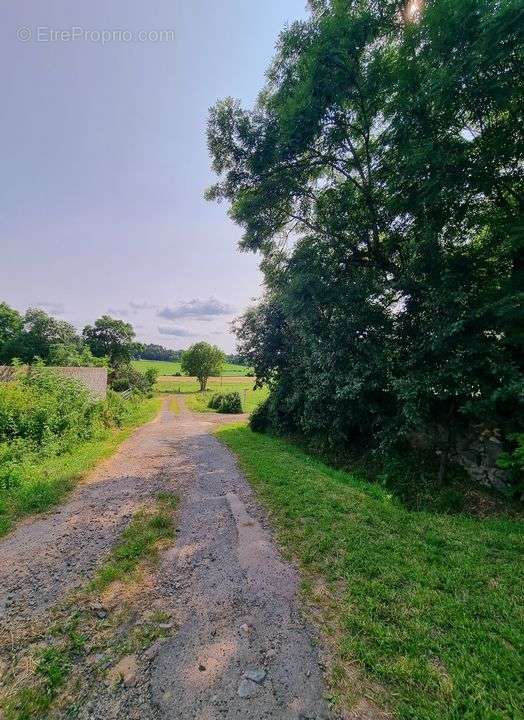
pixel 240 649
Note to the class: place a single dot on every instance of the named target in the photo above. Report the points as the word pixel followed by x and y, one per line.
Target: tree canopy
pixel 381 177
pixel 112 338
pixel 32 335
pixel 202 361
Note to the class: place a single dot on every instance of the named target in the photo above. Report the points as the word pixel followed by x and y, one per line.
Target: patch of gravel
pixel 239 647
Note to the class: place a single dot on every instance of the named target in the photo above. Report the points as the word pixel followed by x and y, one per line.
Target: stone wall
pixel 479 455
pixel 94 378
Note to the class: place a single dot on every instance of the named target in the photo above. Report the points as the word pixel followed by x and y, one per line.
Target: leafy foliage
pixel 34 335
pixel 380 176
pixel 37 336
pixel 112 338
pixel 11 324
pixel 43 414
pixel 125 377
pixel 203 360
pixel 228 403
pixel 156 352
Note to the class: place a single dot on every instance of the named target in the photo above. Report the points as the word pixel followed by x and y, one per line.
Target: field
pixel 170 368
pixel 198 401
pixel 422 611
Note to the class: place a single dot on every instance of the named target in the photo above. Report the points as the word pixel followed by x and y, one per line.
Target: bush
pixel 259 419
pixel 42 409
pixel 229 403
pixel 215 401
pixel 125 377
pixel 43 415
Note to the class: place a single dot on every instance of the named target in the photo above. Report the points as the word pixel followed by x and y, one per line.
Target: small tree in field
pixel 203 360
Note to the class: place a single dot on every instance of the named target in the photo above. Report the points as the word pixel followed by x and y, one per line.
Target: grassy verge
pixel 45 483
pixel 422 612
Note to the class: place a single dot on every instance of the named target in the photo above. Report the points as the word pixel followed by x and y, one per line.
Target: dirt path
pixel 240 649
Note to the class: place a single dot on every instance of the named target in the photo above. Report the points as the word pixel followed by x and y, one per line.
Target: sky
pixel 103 117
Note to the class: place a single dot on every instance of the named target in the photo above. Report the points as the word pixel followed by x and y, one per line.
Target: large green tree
pixel 202 361
pixel 381 176
pixel 112 338
pixel 38 333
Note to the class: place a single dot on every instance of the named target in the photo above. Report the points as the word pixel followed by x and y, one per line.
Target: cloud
pixel 197 310
pixel 123 312
pixel 55 308
pixel 142 306
pixel 175 331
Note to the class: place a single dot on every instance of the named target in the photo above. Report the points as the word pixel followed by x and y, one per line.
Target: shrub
pixel 259 419
pixel 44 415
pixel 215 401
pixel 125 377
pixel 42 408
pixel 151 375
pixel 230 403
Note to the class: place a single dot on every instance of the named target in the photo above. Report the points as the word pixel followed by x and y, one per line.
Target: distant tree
pixel 157 352
pixel 11 324
pixel 112 338
pixel 40 332
pixel 203 360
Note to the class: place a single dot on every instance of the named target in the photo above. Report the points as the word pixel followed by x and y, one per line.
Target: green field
pixel 170 368
pixel 197 401
pixel 423 612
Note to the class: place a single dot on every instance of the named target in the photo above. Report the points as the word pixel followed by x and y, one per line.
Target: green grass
pixel 139 541
pixel 170 368
pixel 198 402
pixel 44 484
pixel 53 667
pixel 424 611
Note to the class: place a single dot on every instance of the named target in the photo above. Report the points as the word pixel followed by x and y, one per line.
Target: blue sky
pixel 105 160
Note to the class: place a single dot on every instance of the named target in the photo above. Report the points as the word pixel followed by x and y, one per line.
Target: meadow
pixel 198 401
pixel 171 368
pixel 422 611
